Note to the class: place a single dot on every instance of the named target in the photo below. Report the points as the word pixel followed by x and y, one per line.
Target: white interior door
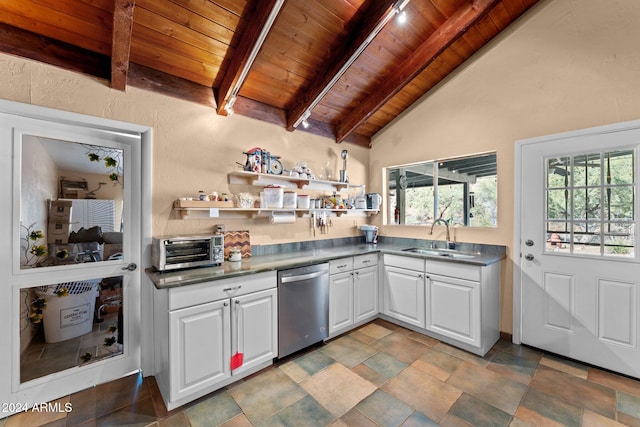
pixel 26 192
pixel 579 272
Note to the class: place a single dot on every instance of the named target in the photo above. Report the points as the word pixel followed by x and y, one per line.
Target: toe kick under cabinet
pixel 212 334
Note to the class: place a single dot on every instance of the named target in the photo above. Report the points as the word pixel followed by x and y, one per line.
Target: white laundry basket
pixel 70 316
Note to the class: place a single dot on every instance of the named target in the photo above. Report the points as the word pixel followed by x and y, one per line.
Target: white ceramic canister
pixel 289 200
pixel 273 197
pixel 303 201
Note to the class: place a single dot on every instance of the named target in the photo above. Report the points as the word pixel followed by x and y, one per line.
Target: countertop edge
pixel 255 265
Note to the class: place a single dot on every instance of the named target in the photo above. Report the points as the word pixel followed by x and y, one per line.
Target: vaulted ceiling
pixel 337 68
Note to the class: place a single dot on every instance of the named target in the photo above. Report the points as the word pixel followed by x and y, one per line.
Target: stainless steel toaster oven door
pixel 179 252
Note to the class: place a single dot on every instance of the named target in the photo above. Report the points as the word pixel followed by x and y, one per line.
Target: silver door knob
pixel 131 267
pixel 529 257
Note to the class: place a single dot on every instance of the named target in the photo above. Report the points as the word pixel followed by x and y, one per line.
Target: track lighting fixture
pixel 397 8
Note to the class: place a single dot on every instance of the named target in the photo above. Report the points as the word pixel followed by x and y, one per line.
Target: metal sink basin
pixel 448 253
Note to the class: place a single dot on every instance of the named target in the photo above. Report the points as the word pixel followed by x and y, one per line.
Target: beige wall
pixel 193 148
pixel 565 65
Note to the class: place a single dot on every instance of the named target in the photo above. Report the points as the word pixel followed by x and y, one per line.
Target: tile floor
pixel 378 375
pixel 41 358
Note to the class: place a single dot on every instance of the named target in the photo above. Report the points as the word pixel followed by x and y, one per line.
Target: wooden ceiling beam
pixel 159 82
pixel 358 31
pixel 22 43
pixel 267 113
pixel 452 29
pixel 121 42
pixel 249 39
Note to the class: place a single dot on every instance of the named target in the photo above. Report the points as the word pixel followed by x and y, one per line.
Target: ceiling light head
pixel 401 4
pixel 229 106
pixel 303 120
pixel 402 17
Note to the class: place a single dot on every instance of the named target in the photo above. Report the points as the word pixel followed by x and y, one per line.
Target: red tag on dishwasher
pixel 236 360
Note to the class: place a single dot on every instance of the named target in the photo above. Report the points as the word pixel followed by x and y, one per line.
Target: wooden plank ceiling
pixel 346 66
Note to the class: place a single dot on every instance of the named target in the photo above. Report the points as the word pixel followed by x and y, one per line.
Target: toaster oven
pixel 176 252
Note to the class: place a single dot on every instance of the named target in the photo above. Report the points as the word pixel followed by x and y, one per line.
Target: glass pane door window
pixel 590 204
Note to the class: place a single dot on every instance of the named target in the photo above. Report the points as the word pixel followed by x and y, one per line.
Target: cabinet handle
pixel 237 302
pixel 226 304
pixel 342 266
pixel 366 261
pixel 235 288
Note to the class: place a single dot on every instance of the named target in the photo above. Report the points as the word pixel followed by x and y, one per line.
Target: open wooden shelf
pixel 264 179
pixel 203 212
pixel 197 209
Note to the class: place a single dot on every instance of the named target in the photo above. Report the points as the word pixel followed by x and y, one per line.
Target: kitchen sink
pixel 439 253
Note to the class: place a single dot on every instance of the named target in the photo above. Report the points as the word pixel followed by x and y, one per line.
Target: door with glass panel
pixel 70 264
pixel 580 275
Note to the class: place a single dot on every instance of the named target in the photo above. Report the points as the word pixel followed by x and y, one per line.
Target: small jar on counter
pixel 235 255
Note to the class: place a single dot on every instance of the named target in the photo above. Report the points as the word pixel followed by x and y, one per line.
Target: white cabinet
pixel 404 295
pixel 453 308
pixel 214 333
pixel 353 292
pixel 200 338
pixel 454 302
pixel 365 293
pixel 254 328
pixel 463 304
pixel 340 302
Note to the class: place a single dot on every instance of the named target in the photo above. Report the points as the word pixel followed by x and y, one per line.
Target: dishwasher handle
pixel 300 277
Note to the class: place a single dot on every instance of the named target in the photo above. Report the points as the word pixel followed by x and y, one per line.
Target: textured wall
pixel 565 65
pixel 193 148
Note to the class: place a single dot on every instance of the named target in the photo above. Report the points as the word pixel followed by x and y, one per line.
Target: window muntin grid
pixel 590 204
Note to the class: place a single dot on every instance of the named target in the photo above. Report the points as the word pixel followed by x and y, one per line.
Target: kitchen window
pixel 462 191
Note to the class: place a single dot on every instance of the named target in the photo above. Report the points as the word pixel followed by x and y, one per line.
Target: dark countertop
pixel 281 261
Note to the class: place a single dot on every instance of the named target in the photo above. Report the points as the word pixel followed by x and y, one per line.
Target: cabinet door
pixel 453 308
pixel 340 301
pixel 199 347
pixel 255 328
pixel 404 295
pixel 365 293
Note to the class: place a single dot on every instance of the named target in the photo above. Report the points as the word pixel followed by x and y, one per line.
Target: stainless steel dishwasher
pixel 303 307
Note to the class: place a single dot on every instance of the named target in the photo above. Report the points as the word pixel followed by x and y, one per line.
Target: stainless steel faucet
pixel 446 224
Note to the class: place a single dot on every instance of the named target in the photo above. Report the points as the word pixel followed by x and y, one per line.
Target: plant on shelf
pixel 31 251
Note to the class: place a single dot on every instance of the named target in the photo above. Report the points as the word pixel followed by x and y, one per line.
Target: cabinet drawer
pixel 202 293
pixel 452 269
pixel 367 260
pixel 340 265
pixel 409 263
